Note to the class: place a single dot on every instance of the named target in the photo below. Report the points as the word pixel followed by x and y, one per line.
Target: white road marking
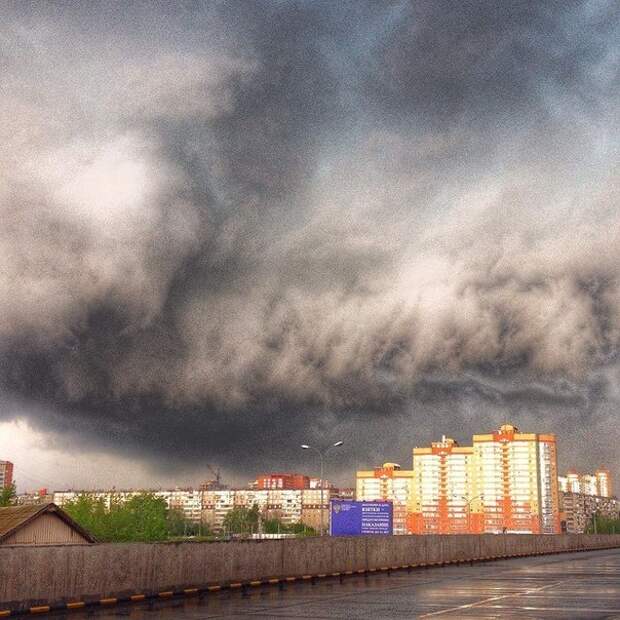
pixel 489 600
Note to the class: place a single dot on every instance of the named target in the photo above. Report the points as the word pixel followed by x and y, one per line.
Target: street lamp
pixel 321 454
pixel 469 501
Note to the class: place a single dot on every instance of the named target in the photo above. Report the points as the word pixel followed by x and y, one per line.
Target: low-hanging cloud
pixel 220 224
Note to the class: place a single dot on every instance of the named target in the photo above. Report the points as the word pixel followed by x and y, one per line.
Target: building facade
pixel 388 483
pixel 517 481
pixel 598 483
pixel 42 524
pixel 445 490
pixel 578 510
pixel 210 507
pixel 282 481
pixel 506 481
pixel 603 483
pixel 6 474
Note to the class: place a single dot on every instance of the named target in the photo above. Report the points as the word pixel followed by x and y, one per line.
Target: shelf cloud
pixel 233 226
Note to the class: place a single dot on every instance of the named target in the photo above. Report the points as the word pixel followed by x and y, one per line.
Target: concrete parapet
pixel 72 575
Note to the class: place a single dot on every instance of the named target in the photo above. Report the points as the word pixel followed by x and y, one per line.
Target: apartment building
pixel 210 507
pixel 444 491
pixel 282 481
pixel 598 483
pixel 578 509
pixel 603 483
pixel 517 481
pixel 506 481
pixel 388 483
pixel 6 474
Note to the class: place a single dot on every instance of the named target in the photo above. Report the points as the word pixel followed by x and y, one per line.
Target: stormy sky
pixel 228 228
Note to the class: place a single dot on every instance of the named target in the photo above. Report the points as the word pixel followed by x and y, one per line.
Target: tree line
pixel 143 518
pixel 599 524
pixel 146 517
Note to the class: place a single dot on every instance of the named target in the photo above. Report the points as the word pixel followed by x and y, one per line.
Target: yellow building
pixel 603 482
pixel 573 482
pixel 518 481
pixel 387 483
pixel 598 483
pixel 445 491
pixel 506 481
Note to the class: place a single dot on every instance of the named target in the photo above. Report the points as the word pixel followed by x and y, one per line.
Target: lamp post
pixel 322 454
pixel 468 502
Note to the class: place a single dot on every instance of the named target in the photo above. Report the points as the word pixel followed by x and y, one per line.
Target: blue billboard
pixel 350 518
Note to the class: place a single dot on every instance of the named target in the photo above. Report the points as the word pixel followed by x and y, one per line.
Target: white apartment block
pixel 211 507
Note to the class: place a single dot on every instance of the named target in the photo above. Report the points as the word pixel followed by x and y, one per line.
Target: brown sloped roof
pixel 13 518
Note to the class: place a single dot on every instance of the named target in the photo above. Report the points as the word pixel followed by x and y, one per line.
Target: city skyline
pixel 571 481
pixel 506 481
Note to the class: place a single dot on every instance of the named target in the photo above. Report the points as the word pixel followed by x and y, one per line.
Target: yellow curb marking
pixel 76 605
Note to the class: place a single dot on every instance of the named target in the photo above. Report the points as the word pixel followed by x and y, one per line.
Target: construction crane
pixel 216 483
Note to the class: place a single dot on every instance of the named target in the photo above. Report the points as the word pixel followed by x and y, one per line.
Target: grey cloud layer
pixel 221 223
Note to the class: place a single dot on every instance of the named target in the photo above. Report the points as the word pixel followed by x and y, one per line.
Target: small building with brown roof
pixel 43 524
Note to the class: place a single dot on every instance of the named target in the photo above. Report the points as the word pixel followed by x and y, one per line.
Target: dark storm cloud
pixel 484 60
pixel 234 226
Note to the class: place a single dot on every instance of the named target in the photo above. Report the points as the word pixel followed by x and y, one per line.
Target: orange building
pixel 598 483
pixel 506 481
pixel 282 481
pixel 445 493
pixel 388 483
pixel 518 481
pixel 6 474
pixel 603 482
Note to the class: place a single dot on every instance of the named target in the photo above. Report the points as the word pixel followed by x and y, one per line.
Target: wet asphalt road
pixel 575 586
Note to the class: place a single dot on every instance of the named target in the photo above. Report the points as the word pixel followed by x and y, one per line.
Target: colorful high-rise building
pixel 573 481
pixel 603 482
pixel 588 484
pixel 445 490
pixel 598 483
pixel 518 481
pixel 388 483
pixel 505 482
pixel 6 474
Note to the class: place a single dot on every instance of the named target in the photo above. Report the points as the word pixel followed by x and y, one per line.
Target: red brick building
pixel 282 481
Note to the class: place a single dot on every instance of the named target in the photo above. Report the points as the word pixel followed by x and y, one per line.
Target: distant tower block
pixel 6 474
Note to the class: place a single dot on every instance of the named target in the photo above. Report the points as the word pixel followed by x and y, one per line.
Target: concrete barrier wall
pixel 59 574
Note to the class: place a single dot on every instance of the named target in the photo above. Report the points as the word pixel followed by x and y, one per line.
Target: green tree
pixel 241 520
pixel 7 495
pixel 90 512
pixel 275 526
pixel 177 524
pixel 301 529
pixel 604 525
pixel 143 518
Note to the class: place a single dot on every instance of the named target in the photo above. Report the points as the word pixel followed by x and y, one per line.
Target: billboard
pixel 351 518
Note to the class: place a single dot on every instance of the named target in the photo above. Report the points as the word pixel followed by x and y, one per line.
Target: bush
pixel 143 518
